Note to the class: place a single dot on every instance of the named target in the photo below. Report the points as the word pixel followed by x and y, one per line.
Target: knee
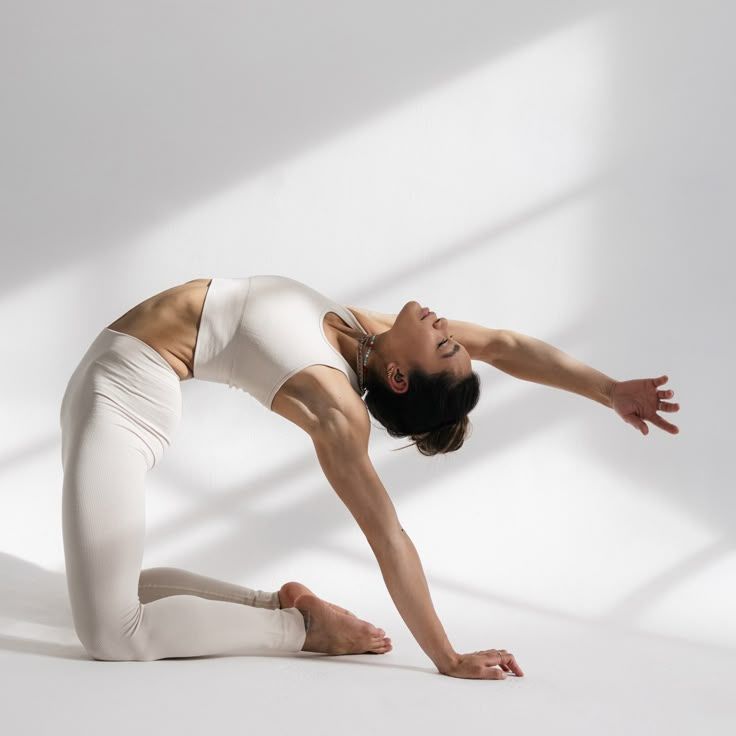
pixel 111 644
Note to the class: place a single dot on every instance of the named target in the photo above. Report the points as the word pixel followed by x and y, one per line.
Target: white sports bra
pixel 257 332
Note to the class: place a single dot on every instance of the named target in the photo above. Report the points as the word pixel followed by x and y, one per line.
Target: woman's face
pixel 420 339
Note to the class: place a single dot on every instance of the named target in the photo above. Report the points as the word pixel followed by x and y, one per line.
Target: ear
pixel 396 379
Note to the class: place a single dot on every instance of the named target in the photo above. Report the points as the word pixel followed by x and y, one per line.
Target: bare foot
pixel 289 592
pixel 333 633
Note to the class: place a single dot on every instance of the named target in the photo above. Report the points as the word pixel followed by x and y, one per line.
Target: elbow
pixel 386 539
pixel 503 343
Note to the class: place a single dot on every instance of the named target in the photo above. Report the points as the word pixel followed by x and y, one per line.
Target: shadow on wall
pixel 115 119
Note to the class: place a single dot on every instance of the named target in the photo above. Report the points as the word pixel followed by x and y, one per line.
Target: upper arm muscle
pixel 341 445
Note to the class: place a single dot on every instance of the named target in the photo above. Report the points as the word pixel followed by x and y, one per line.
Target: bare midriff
pixel 169 322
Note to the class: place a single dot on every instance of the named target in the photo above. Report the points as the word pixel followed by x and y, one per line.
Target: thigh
pixel 103 519
pixel 118 414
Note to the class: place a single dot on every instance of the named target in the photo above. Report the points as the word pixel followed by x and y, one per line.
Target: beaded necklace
pixel 362 360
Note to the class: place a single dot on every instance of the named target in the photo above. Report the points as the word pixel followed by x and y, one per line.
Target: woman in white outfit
pixel 324 367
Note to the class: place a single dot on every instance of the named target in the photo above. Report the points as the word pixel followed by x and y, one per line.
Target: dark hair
pixel 433 411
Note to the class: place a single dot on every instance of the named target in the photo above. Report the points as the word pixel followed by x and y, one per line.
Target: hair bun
pixel 447 438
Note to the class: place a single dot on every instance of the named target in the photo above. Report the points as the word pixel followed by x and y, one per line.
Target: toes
pixel 374 631
pixel 382 649
pixel 381 646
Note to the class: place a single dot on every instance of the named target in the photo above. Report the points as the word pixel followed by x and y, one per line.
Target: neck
pixel 371 346
pixel 349 341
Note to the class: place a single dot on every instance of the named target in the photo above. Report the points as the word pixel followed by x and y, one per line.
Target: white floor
pixel 579 678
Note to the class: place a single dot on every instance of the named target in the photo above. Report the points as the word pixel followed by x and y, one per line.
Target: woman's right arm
pixel 341 445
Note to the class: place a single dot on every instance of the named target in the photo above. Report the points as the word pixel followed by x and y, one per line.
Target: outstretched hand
pixel 640 400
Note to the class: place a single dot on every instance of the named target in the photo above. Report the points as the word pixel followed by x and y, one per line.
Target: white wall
pixel 562 169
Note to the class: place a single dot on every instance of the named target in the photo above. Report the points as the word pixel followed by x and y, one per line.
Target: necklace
pixel 362 360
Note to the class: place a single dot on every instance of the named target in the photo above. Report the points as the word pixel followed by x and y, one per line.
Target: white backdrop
pixel 562 169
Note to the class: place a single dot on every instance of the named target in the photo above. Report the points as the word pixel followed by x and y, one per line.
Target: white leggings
pixel 119 411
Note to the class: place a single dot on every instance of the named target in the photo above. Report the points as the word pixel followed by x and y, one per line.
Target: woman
pixel 312 361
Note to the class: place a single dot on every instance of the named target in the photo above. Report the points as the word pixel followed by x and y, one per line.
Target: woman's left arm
pixel 521 356
pixel 529 359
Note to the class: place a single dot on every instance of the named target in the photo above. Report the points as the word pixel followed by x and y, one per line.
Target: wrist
pixel 447 661
pixel 608 392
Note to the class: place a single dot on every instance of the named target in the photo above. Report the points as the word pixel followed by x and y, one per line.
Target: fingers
pixel 664 424
pixel 505 660
pixel 666 405
pixel 637 423
pixel 512 664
